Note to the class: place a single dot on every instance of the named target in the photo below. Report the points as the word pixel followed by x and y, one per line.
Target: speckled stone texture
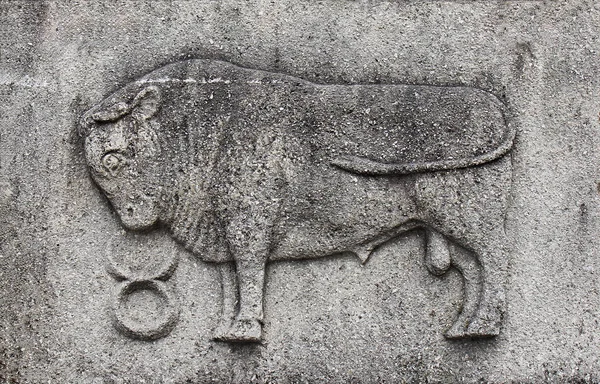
pixel 64 252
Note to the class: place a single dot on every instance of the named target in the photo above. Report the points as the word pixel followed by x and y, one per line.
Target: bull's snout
pixel 137 214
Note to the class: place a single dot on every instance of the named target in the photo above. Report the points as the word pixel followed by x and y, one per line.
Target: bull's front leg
pixel 229 302
pixel 247 326
pixel 248 243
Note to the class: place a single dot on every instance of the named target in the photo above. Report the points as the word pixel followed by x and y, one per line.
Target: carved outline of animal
pixel 223 197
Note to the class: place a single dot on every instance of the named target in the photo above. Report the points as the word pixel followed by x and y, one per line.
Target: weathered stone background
pixel 328 320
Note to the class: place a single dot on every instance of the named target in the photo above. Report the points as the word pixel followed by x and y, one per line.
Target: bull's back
pixel 417 128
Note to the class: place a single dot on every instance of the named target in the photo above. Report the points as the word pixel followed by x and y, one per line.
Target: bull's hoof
pixel 458 331
pixel 221 331
pixel 483 328
pixel 242 331
pixel 475 329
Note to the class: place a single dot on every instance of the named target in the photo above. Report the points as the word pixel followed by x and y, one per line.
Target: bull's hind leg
pixel 466 263
pixel 439 257
pixel 493 258
pixel 469 207
pixel 484 270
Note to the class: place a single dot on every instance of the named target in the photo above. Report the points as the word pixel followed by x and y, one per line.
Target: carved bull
pixel 246 167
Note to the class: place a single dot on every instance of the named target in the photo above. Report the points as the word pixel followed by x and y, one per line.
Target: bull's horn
pixel 111 113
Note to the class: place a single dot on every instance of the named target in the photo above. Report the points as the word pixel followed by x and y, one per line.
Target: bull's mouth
pixel 135 224
pixel 138 218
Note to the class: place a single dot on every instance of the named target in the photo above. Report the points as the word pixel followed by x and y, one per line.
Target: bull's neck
pixel 184 211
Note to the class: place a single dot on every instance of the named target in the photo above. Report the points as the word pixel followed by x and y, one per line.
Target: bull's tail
pixel 364 166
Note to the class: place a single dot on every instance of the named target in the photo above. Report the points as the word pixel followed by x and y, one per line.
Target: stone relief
pixel 245 167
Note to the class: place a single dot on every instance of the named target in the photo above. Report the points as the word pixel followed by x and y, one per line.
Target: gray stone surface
pixel 67 250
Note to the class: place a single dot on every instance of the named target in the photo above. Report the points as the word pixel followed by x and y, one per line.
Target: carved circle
pixel 151 330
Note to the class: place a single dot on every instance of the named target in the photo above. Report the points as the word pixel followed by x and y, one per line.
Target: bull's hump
pixel 203 72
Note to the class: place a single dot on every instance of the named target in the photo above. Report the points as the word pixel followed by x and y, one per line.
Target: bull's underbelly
pixel 307 243
pixel 336 215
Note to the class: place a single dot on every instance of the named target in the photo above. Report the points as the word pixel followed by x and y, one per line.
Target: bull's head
pixel 124 156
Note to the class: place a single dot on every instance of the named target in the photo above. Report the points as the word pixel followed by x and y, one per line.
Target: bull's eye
pixel 113 162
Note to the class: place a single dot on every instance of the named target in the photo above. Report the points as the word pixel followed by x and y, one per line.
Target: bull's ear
pixel 146 103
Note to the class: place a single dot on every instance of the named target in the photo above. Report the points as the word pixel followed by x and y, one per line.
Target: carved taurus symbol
pixel 246 167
